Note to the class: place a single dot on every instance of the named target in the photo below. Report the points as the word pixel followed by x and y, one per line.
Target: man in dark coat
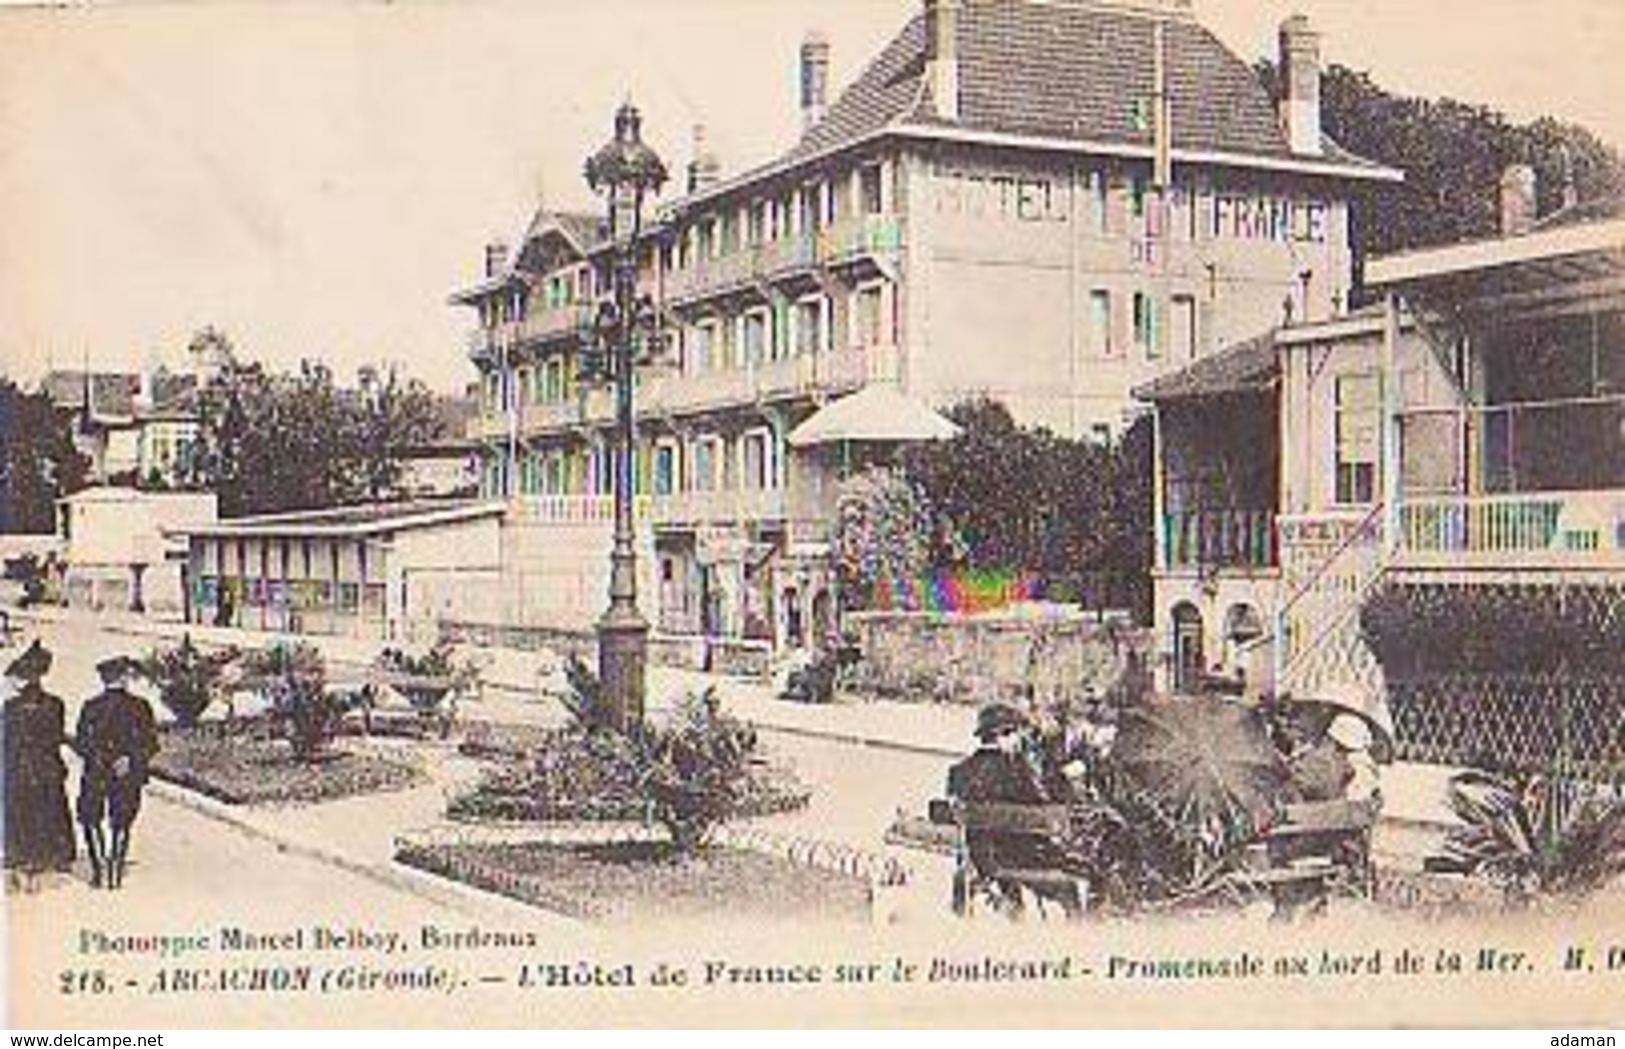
pixel 39 831
pixel 117 737
pixel 1001 771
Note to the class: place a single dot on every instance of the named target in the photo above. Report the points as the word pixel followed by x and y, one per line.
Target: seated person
pixel 1002 770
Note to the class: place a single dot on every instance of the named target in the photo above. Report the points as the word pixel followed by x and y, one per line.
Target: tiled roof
pixel 1069 71
pixel 886 91
pixel 585 228
pixel 1243 367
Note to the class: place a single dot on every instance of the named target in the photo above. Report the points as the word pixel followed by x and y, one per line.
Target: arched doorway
pixel 1188 661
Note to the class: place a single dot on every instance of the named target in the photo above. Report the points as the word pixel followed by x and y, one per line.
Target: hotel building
pixel 1047 202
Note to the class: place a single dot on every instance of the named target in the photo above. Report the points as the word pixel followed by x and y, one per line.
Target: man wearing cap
pixel 39 831
pixel 117 737
pixel 1001 772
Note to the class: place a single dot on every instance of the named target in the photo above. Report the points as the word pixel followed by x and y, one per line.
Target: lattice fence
pixel 1500 720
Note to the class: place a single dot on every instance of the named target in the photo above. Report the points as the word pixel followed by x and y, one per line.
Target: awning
pixel 875 414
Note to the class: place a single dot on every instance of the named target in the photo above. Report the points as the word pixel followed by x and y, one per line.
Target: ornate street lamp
pixel 625 171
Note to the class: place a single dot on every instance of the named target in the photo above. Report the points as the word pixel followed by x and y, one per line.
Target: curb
pixel 460 899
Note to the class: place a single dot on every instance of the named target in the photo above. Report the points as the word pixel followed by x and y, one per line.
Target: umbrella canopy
pixel 879 413
pixel 1204 759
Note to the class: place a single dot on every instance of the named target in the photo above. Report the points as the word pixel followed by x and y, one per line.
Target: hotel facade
pixel 1046 203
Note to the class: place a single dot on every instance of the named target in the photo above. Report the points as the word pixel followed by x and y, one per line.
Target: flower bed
pixel 573 776
pixel 245 769
pixel 627 881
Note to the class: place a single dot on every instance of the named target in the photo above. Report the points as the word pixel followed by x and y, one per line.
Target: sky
pixel 317 177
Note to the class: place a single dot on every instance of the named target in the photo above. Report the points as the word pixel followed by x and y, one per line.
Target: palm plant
pixel 294 678
pixel 189 680
pixel 1536 835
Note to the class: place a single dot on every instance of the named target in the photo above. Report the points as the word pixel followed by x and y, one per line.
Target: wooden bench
pixel 1051 822
pixel 1315 848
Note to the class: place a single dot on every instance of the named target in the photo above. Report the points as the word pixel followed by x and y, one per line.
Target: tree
pixel 297 441
pixel 38 461
pixel 1074 515
pixel 1453 155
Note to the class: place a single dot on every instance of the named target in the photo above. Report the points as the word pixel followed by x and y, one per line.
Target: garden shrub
pixel 189 680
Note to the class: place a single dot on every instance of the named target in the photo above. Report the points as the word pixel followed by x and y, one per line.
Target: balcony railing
pixel 546 325
pixel 866 235
pixel 843 241
pixel 677 508
pixel 1219 539
pixel 1557 528
pixel 494 341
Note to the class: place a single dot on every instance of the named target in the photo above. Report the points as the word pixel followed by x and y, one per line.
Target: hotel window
pixel 868 316
pixel 756 224
pixel 756 461
pixel 706 239
pixel 1138 194
pixel 1182 341
pixel 728 233
pixel 553 380
pixel 1354 413
pixel 1098 201
pixel 705 465
pixel 812 209
pixel 1146 334
pixel 665 470
pixel 1100 322
pixel 809 318
pixel 553 474
pixel 754 336
pixel 870 189
pixel 701 347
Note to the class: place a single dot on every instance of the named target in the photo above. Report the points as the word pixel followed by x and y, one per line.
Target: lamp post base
pixel 623 655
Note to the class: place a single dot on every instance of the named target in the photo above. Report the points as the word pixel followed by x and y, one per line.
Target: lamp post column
pixel 625 170
pixel 623 633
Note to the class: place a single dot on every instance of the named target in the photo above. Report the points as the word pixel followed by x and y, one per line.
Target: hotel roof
pixel 1070 74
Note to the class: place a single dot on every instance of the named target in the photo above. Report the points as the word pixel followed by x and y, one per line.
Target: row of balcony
pixel 1573 529
pixel 670 392
pixel 677 509
pixel 864 236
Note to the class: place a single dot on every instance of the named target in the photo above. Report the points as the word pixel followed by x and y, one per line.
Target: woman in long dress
pixel 39 828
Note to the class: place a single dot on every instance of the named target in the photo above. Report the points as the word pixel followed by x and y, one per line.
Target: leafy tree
pixel 38 461
pixel 1012 499
pixel 298 441
pixel 1453 155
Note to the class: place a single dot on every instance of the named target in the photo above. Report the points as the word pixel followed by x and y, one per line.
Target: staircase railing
pixel 1317 628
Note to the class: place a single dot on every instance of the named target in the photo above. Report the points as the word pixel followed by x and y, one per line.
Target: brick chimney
pixel 814 78
pixel 704 169
pixel 496 258
pixel 1300 85
pixel 942 56
pixel 1518 204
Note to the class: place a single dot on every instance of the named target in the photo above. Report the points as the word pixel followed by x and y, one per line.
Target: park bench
pixel 1315 849
pixel 1046 883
